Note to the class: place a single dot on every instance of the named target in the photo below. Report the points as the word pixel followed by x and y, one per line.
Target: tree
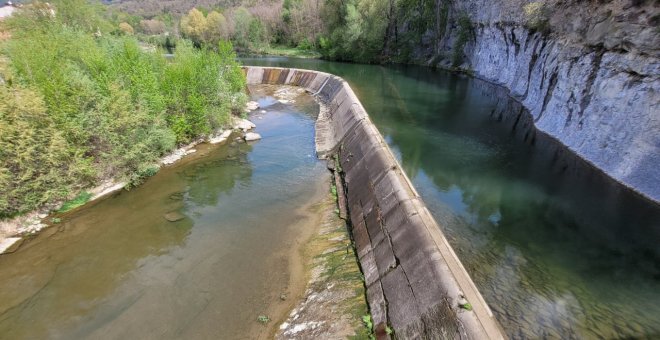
pixel 249 32
pixel 126 28
pixel 216 28
pixel 194 26
pixel 152 27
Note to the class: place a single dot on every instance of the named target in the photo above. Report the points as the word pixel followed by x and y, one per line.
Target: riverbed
pixel 557 249
pixel 206 249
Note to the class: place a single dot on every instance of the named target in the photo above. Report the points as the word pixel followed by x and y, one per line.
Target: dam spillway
pixel 414 279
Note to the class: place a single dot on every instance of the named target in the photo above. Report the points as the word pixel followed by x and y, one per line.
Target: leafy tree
pixel 194 26
pixel 216 28
pixel 152 26
pixel 126 28
pixel 356 31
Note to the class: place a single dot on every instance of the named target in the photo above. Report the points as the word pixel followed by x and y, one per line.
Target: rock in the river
pixel 220 138
pixel 242 124
pixel 174 216
pixel 251 106
pixel 250 136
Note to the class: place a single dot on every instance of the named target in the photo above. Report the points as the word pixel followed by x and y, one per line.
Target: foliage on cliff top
pixel 78 104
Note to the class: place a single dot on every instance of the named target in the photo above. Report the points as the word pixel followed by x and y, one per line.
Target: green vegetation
pixel 79 200
pixel 295 52
pixel 464 34
pixel 82 100
pixel 466 306
pixel 263 319
pixel 356 29
pixel 367 31
pixel 537 16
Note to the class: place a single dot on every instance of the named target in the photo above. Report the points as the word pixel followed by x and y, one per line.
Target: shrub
pixel 78 104
pixel 37 164
pixel 536 16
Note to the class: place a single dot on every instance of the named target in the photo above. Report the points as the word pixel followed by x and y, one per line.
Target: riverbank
pixel 15 230
pixel 225 268
pixel 333 305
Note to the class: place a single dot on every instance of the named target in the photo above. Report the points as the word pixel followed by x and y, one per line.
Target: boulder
pixel 251 106
pixel 220 138
pixel 251 136
pixel 242 124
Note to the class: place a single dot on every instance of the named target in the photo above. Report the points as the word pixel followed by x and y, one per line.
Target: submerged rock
pixel 174 216
pixel 177 196
pixel 251 136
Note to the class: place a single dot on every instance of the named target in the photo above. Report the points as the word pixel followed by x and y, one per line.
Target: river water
pixel 120 270
pixel 557 249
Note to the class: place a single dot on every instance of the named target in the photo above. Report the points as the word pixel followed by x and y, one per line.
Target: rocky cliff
pixel 587 71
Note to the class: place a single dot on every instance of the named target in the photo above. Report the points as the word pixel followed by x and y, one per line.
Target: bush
pixel 37 164
pixel 536 16
pixel 78 104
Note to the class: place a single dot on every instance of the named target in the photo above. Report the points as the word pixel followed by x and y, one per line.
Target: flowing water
pixel 557 249
pixel 120 270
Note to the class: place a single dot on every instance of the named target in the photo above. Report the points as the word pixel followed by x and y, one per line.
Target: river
pixel 117 269
pixel 557 249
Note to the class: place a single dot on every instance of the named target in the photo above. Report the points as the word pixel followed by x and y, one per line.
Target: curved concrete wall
pixel 414 279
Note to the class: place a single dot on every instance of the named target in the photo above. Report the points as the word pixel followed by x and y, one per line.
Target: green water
pixel 557 249
pixel 120 270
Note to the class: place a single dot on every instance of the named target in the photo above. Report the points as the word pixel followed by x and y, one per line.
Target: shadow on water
pixel 557 248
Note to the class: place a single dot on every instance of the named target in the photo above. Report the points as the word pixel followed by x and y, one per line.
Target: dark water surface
pixel 557 249
pixel 119 270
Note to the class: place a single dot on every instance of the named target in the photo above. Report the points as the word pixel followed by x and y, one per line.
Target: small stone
pixel 282 297
pixel 251 136
pixel 262 111
pixel 42 216
pixel 174 216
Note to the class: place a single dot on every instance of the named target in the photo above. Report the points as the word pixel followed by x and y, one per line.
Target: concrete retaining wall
pixel 414 279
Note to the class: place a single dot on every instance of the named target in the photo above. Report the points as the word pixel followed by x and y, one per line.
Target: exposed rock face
pixel 588 72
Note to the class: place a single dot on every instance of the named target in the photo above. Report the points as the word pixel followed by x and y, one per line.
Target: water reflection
pixel 556 248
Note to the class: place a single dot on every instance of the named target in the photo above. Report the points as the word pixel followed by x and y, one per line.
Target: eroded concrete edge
pixel 414 279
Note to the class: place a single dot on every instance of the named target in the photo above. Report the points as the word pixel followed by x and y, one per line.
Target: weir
pixel 415 282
